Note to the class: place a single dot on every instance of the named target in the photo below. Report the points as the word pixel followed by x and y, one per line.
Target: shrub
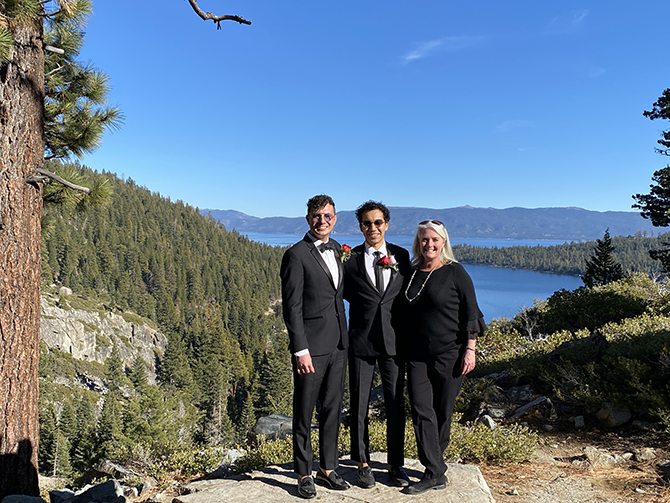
pixel 471 443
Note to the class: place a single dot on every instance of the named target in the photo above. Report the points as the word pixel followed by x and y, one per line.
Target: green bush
pixel 471 443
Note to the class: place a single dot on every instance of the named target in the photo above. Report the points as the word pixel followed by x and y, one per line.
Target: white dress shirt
pixel 371 263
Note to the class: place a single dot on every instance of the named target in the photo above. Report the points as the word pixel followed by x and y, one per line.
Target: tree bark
pixel 21 154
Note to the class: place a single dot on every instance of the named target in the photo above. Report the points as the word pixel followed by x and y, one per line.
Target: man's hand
pixel 304 364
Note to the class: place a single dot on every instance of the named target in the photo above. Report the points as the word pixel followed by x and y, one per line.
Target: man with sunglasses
pixel 373 279
pixel 312 286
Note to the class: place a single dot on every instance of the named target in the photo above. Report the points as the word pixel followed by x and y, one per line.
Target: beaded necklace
pixel 422 286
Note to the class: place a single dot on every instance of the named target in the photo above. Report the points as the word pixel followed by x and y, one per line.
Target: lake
pixel 501 292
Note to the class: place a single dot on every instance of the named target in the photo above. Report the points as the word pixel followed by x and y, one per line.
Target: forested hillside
pixel 208 290
pixel 569 258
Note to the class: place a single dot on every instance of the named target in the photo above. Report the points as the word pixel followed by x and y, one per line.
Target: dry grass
pixel 560 472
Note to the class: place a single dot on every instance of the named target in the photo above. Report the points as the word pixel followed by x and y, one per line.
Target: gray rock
pixel 547 427
pixel 60 496
pixel 22 498
pixel 274 426
pixel 278 484
pixel 145 488
pixel 520 393
pixel 641 425
pixel 63 290
pixel 114 469
pixel 540 409
pixel 645 455
pixel 612 416
pixel 109 491
pixel 487 421
pixel 130 491
pixel 89 335
pixel 600 458
pixel 91 383
pixel 496 413
pixel 578 422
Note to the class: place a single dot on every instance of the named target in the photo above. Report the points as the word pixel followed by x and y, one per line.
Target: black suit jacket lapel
pixel 360 263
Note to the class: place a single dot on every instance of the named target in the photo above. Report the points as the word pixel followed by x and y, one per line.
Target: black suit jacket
pixel 374 318
pixel 312 305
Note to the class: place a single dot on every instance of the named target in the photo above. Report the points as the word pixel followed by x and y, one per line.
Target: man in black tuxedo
pixel 373 279
pixel 312 286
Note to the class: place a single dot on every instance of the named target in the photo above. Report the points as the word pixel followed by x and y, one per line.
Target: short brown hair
pixel 319 202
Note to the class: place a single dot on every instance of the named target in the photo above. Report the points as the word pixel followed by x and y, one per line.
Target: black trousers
pixel 325 384
pixel 433 385
pixel 361 373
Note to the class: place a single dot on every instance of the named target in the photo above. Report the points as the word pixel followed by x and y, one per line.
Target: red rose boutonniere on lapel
pixel 388 263
pixel 346 253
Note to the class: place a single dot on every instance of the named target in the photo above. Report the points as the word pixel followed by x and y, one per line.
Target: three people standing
pixel 390 305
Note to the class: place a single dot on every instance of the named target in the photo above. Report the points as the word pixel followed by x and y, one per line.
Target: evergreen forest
pixel 210 291
pixel 632 252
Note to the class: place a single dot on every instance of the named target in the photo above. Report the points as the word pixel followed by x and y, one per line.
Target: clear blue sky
pixel 434 103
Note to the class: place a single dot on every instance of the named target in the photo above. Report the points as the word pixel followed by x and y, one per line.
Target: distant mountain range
pixel 466 222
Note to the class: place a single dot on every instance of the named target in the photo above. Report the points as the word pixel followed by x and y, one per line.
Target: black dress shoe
pixel 332 481
pixel 306 488
pixel 398 477
pixel 425 484
pixel 365 478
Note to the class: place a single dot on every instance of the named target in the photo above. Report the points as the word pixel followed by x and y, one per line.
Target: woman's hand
pixel 468 360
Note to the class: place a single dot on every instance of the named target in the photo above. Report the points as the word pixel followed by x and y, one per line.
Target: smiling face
pixel 321 222
pixel 373 226
pixel 431 244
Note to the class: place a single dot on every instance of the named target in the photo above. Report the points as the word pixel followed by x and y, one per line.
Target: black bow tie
pixel 327 246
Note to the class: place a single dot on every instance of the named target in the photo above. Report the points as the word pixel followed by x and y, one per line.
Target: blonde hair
pixel 446 254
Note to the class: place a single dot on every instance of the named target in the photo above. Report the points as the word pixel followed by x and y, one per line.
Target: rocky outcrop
pixel 90 335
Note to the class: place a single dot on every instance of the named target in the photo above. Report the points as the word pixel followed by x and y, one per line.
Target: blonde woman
pixel 443 321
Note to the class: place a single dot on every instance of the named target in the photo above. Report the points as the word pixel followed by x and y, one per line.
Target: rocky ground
pixel 561 471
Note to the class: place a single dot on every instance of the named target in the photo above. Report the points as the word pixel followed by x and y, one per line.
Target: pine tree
pixel 115 376
pixel 138 374
pixel 601 268
pixel 175 371
pixel 62 466
pixel 110 428
pixel 47 438
pixel 85 441
pixel 275 383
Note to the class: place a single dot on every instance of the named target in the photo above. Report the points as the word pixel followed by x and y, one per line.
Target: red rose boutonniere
pixel 346 253
pixel 388 263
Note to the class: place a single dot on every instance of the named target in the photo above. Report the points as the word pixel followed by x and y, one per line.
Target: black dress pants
pixel 433 385
pixel 325 384
pixel 361 372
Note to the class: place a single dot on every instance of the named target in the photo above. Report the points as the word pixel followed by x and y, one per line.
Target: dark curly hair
pixel 369 206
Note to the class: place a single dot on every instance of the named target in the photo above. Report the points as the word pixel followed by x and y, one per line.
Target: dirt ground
pixel 560 472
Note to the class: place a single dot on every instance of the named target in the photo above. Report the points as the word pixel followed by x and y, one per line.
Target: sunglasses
pixel 436 222
pixel 368 223
pixel 327 217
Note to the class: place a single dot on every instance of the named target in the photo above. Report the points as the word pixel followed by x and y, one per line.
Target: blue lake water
pixel 501 292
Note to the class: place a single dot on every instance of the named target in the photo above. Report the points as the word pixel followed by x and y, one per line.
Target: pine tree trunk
pixel 21 152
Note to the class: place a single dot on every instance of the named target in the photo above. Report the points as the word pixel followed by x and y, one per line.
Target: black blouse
pixel 445 314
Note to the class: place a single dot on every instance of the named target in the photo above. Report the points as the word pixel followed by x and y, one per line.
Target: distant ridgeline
pixel 210 291
pixel 467 222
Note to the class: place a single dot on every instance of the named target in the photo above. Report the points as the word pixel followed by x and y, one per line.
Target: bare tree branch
pixel 217 19
pixel 54 176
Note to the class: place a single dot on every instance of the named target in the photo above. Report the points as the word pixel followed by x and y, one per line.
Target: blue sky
pixel 427 103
